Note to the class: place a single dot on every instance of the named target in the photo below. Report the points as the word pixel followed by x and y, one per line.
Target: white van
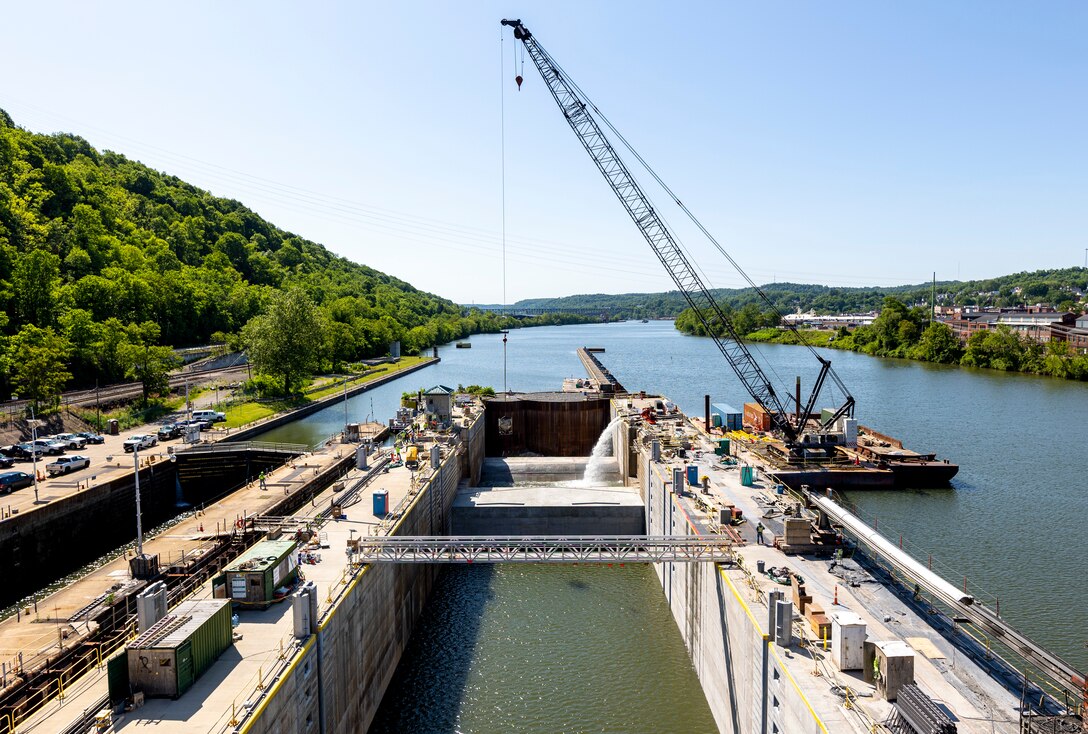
pixel 209 415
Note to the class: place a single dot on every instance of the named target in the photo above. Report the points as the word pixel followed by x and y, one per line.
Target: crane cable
pixel 502 146
pixel 759 291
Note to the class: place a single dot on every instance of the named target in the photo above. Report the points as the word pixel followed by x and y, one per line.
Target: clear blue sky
pixel 845 143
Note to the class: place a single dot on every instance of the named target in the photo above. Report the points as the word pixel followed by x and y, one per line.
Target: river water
pixel 548 649
pixel 1013 523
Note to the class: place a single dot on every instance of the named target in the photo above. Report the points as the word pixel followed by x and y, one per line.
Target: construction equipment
pixel 576 108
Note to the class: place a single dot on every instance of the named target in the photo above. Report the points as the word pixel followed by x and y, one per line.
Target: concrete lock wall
pixel 742 673
pixel 338 682
pixel 92 521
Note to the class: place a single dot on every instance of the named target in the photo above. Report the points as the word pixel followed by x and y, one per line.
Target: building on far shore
pixel 1035 322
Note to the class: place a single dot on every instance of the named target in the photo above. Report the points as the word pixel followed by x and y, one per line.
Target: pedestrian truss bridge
pixel 542 549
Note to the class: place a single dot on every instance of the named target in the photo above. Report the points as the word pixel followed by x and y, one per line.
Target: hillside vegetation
pixel 1063 288
pixel 906 332
pixel 105 263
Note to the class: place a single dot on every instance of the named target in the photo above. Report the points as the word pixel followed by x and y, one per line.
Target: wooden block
pixel 821 625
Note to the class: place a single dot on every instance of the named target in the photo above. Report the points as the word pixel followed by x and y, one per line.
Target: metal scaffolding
pixel 543 549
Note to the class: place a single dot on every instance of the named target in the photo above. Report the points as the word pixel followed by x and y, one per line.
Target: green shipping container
pixel 170 657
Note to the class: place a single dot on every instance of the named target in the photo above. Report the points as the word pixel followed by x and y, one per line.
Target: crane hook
pixel 519 80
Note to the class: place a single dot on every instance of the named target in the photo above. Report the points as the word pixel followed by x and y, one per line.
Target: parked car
pixel 65 464
pixel 209 415
pixel 92 437
pixel 6 462
pixel 13 480
pixel 23 451
pixel 73 440
pixel 200 423
pixel 145 441
pixel 51 447
pixel 169 430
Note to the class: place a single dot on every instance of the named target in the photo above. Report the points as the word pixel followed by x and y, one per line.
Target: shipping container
pixel 257 574
pixel 170 657
pixel 726 416
pixel 756 418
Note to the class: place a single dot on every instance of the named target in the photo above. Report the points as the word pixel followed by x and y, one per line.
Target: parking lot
pixel 108 460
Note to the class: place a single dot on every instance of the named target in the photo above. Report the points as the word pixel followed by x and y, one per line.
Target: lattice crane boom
pixel 684 275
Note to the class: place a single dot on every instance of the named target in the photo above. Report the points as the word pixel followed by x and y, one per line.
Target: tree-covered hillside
pixel 102 259
pixel 1065 289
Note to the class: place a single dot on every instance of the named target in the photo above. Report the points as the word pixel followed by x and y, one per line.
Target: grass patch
pixel 369 376
pixel 245 413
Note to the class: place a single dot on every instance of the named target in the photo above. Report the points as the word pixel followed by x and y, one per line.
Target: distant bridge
pixel 520 312
pixel 544 549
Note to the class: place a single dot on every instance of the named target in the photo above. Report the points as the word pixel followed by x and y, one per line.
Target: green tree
pixel 287 340
pixel 39 365
pixel 938 344
pixel 146 361
pixel 36 277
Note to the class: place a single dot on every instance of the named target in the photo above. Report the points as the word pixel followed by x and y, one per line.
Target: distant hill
pixel 1058 287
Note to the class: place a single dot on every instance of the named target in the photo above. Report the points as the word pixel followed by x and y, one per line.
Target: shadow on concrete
pixel 730 674
pixel 1002 671
pixel 429 684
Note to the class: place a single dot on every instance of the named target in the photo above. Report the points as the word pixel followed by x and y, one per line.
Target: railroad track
pixel 110 393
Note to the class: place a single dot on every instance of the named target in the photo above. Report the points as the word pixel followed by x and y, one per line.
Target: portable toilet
pixel 747 476
pixel 381 502
pixel 693 475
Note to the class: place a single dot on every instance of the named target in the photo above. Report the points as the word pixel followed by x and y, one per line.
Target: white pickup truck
pixel 134 443
pixel 65 464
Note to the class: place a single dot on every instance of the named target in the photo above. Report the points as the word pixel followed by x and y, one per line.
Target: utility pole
pixel 933 300
pixel 97 408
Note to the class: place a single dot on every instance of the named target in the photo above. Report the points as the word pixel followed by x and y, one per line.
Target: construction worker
pixel 262 481
pixel 759 532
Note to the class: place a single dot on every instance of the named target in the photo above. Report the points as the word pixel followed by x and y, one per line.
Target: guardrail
pixel 229 446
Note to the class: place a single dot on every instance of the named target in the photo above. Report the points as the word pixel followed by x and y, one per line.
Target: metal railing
pixel 229 446
pixel 544 549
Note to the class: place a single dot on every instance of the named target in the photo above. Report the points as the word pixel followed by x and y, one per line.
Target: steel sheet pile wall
pixel 549 424
pixel 341 676
pixel 722 624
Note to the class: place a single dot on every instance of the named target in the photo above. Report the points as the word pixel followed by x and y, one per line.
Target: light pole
pixel 139 517
pixel 33 447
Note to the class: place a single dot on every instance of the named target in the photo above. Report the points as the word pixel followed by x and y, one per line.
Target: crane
pixel 578 111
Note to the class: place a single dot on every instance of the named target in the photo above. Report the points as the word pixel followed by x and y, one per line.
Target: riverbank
pixel 1001 350
pixel 329 396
